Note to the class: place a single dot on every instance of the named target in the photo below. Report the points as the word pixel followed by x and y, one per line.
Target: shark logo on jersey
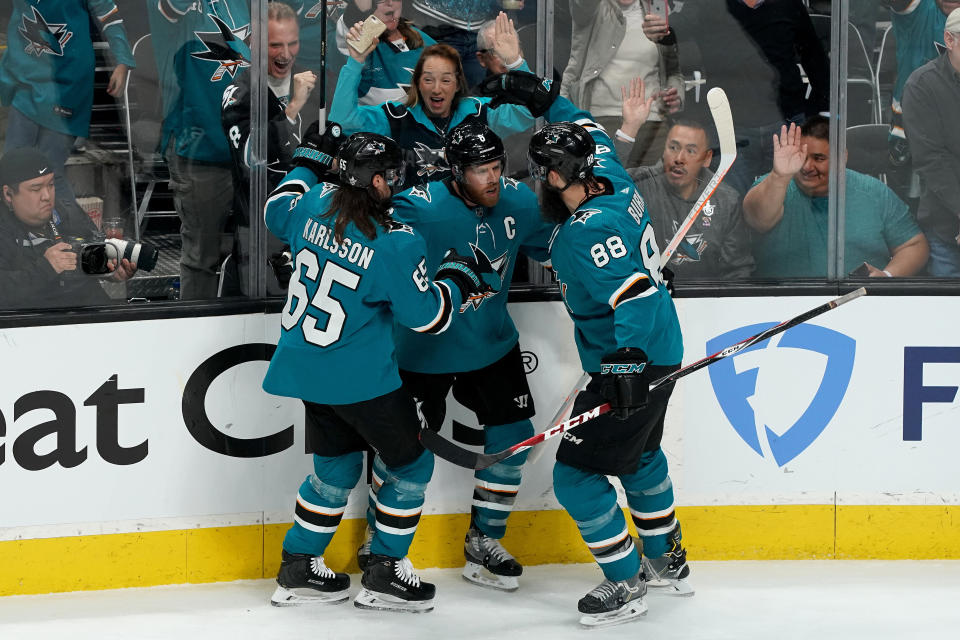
pixel 492 272
pixel 392 225
pixel 736 387
pixel 510 182
pixel 429 161
pixel 229 48
pixel 582 215
pixel 43 37
pixel 326 188
pixel 420 192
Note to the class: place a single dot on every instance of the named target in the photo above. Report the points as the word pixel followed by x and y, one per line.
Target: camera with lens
pixel 93 257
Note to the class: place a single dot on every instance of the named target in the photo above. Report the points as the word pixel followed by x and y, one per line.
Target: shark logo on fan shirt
pixel 229 48
pixel 43 37
pixel 736 389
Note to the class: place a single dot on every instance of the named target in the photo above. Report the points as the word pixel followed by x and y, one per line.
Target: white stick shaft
pixel 723 121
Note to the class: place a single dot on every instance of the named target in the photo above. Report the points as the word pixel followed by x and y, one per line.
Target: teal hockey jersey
pixel 47 70
pixel 336 343
pixel 200 46
pixel 483 331
pixel 607 264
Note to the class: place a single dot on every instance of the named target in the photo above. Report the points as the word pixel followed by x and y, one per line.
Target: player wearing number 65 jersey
pixel 607 263
pixel 356 271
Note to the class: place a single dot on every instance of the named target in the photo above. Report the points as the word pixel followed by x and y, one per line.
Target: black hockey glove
pixel 668 277
pixel 473 280
pixel 622 384
pixel 522 88
pixel 282 264
pixel 316 150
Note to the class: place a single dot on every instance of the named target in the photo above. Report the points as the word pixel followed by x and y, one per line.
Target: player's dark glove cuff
pixel 622 383
pixel 668 278
pixel 316 150
pixel 282 264
pixel 465 273
pixel 522 88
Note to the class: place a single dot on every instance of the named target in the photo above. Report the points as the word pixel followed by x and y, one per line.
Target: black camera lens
pixel 143 254
pixel 93 258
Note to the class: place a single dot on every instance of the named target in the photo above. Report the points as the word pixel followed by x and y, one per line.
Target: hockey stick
pixel 322 115
pixel 561 412
pixel 723 121
pixel 471 460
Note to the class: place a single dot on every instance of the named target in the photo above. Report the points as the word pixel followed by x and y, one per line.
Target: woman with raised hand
pixel 438 100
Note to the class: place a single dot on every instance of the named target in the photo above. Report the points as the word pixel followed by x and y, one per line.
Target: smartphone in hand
pixel 660 8
pixel 370 31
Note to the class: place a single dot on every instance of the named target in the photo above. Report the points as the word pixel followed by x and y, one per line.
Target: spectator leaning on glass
pixel 436 102
pixel 386 72
pixel 47 71
pixel 717 245
pixel 608 49
pixel 38 262
pixel 788 209
pixel 931 112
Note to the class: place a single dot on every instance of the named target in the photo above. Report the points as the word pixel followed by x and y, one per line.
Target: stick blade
pixel 449 451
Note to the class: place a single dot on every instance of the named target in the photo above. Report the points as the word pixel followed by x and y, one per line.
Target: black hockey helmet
pixel 365 155
pixel 565 147
pixel 471 143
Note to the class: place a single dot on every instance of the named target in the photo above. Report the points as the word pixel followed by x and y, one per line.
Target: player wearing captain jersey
pixel 357 271
pixel 483 214
pixel 607 263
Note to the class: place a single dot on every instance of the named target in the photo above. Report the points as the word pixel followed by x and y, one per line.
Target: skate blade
pixel 283 597
pixel 480 575
pixel 676 588
pixel 367 599
pixel 624 614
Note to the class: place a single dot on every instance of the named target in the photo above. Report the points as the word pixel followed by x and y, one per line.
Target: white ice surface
pixel 772 600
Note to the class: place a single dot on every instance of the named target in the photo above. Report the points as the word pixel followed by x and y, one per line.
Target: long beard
pixel 552 207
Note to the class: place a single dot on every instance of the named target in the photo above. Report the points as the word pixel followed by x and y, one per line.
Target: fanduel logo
pixel 734 390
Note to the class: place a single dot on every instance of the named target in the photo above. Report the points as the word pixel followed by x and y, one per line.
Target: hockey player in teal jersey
pixel 438 100
pixel 608 268
pixel 47 73
pixel 357 271
pixel 481 213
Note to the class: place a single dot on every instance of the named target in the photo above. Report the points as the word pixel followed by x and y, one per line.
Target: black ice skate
pixel 390 584
pixel 613 603
pixel 668 573
pixel 363 553
pixel 304 579
pixel 488 563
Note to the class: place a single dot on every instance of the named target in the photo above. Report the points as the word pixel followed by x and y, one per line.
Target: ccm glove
pixel 622 383
pixel 282 264
pixel 472 279
pixel 522 88
pixel 316 150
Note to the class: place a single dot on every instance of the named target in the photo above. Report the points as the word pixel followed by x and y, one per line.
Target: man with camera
pixel 45 245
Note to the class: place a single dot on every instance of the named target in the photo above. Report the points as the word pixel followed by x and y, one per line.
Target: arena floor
pixel 851 600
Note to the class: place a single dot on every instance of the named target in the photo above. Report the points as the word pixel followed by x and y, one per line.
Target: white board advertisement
pixel 163 424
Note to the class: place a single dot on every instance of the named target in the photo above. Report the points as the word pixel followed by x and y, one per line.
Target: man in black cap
pixel 38 265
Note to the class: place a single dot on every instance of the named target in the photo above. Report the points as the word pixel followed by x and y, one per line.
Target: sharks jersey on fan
pixel 47 70
pixel 483 331
pixel 422 142
pixel 465 14
pixel 336 344
pixel 200 47
pixel 607 263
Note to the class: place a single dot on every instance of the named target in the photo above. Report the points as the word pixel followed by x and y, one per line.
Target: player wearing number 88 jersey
pixel 356 271
pixel 607 263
